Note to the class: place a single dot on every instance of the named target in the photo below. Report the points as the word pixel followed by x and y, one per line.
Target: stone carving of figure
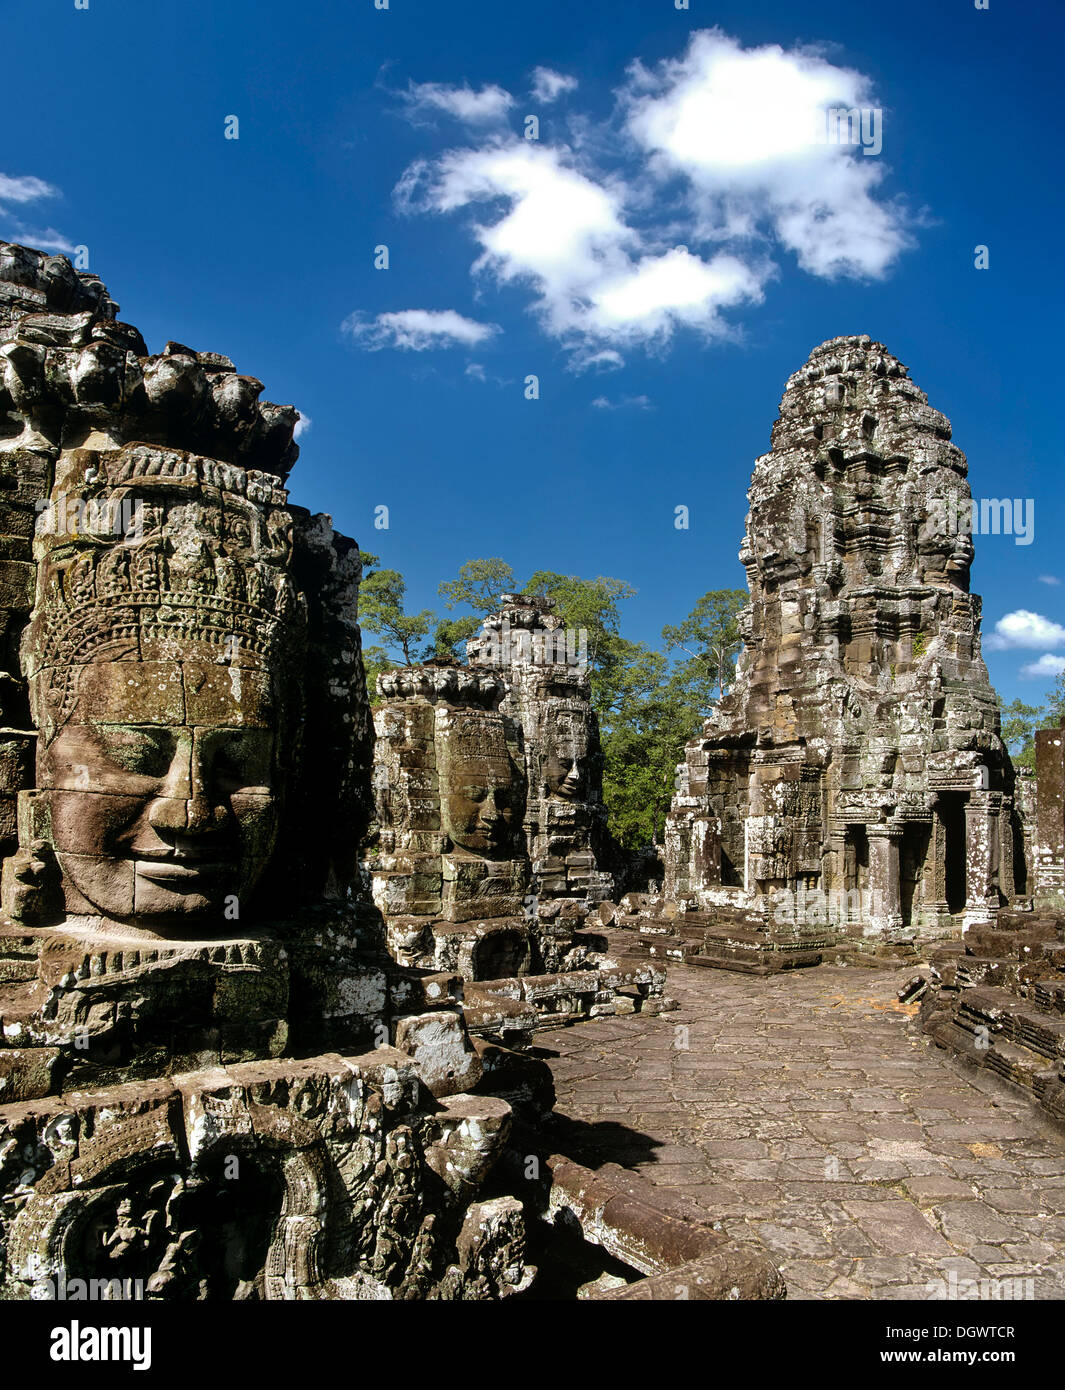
pixel 162 807
pixel 566 738
pixel 159 770
pixel 481 802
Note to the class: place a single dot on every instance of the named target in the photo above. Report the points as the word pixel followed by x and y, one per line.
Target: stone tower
pixel 854 776
pixel 548 693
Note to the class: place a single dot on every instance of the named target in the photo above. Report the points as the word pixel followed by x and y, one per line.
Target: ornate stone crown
pixel 195 567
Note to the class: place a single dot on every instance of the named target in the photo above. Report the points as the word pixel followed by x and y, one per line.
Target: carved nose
pixel 172 815
pixel 167 813
pixel 201 817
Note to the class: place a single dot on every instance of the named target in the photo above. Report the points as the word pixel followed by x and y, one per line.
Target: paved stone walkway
pixel 808 1115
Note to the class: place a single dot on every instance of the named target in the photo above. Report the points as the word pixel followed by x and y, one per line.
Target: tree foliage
pixel 1019 723
pixel 381 611
pixel 1055 710
pixel 479 585
pixel 710 635
pixel 449 636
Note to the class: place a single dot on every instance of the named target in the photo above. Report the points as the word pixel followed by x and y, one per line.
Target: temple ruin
pixel 853 781
pixel 273 958
pixel 216 1081
pixel 489 853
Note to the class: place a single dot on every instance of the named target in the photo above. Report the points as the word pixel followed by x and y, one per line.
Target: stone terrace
pixel 808 1115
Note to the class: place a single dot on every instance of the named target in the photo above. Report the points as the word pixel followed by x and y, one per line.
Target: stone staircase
pixel 997 999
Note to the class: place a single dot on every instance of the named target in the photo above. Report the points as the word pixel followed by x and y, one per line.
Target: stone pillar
pixel 833 877
pixel 936 911
pixel 833 859
pixel 1007 885
pixel 981 858
pixel 885 904
pixel 1049 847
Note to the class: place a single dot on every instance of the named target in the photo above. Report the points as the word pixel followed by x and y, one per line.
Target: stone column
pixel 981 858
pixel 833 877
pixel 1048 869
pixel 885 905
pixel 1007 885
pixel 935 875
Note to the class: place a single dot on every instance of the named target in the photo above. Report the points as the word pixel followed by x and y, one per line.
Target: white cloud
pixel 623 402
pixel 417 329
pixel 25 189
pixel 1024 629
pixel 22 189
pixel 1048 666
pixel 742 127
pixel 596 278
pixel 1049 579
pixel 548 85
pixel 489 106
pixel 717 149
pixel 674 286
pixel 605 360
pixel 303 424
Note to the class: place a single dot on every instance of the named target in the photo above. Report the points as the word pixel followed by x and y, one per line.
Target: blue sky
pixel 660 369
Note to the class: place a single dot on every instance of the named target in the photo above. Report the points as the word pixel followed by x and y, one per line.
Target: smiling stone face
pixel 566 750
pixel 481 786
pixel 163 665
pixel 162 787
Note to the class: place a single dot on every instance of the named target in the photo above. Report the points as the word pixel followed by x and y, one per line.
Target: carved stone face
pixel 480 790
pixel 562 775
pixel 162 790
pixel 481 802
pixel 565 756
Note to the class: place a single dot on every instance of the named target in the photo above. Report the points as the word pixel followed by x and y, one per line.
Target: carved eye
pixel 242 759
pixel 473 791
pixel 146 750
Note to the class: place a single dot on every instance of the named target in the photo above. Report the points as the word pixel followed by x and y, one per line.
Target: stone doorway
pixel 857 876
pixel 499 955
pixel 952 815
pixel 913 855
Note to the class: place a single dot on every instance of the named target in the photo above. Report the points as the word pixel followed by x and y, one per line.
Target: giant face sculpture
pixel 161 676
pixel 162 790
pixel 565 754
pixel 481 791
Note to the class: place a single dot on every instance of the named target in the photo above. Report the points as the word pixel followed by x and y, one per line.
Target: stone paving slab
pixel 808 1115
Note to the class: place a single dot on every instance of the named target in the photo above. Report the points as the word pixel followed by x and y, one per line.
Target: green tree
pixel 1019 723
pixel 616 667
pixel 479 585
pixel 659 708
pixel 641 751
pixel 450 633
pixel 381 600
pixel 1055 710
pixel 710 635
pixel 375 661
